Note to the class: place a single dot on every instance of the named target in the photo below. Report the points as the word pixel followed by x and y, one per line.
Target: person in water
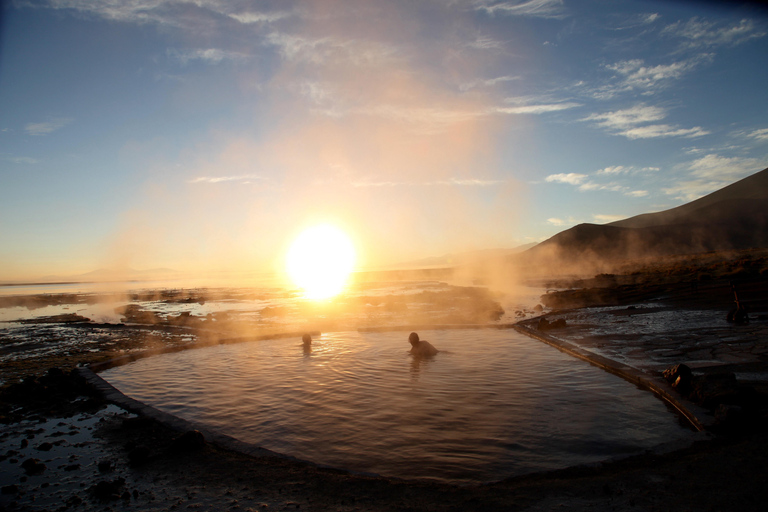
pixel 421 348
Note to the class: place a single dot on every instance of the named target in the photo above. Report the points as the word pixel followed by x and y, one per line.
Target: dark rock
pixel 72 467
pixel 680 377
pixel 24 443
pixel 10 489
pixel 105 466
pixel 106 490
pixel 139 455
pixel 74 500
pixel 545 325
pixel 33 466
pixel 713 390
pixel 44 447
pixel 728 414
pixel 188 441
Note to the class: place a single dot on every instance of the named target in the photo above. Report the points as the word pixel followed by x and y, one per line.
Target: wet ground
pixel 654 337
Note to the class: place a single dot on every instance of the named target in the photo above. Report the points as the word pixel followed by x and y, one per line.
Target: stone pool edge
pixel 696 415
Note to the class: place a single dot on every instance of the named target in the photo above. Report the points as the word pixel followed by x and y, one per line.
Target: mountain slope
pixel 735 217
pixel 751 189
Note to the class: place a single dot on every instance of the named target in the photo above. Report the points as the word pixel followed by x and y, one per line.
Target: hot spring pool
pixel 492 404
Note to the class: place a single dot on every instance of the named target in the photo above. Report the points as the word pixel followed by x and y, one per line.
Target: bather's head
pixel 414 339
pixel 307 339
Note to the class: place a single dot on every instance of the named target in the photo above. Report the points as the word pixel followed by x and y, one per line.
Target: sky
pixel 206 135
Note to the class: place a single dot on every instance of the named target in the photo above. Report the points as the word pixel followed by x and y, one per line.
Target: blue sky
pixel 206 135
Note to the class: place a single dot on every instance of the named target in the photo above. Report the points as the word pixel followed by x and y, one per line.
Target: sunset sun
pixel 320 261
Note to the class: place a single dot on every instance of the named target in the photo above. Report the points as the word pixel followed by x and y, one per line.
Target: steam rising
pixel 346 117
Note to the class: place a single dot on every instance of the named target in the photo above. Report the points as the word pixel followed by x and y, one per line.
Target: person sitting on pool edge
pixel 421 348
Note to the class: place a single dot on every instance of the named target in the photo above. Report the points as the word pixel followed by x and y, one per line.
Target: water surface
pixel 491 404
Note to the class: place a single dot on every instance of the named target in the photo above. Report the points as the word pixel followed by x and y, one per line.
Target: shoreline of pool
pixel 693 414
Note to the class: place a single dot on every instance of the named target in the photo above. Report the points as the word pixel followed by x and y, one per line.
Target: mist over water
pixel 491 404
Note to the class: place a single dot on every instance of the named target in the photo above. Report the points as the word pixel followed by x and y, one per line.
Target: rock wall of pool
pixel 491 404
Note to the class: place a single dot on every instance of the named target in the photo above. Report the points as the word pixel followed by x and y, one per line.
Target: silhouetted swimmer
pixel 421 348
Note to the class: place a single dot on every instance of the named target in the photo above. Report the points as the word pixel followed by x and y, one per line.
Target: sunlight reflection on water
pixel 492 404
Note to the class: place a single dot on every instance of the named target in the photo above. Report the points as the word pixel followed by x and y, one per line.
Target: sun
pixel 320 261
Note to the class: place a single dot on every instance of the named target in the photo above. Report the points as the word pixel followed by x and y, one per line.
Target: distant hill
pixel 463 258
pixel 114 274
pixel 734 217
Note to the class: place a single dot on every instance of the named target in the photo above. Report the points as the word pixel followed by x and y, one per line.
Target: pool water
pixel 492 404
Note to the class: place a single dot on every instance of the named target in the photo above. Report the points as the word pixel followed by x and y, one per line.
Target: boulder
pixel 33 466
pixel 713 390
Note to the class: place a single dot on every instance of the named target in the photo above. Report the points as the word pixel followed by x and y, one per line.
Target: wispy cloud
pixel 622 119
pixel 485 43
pixel 531 8
pixel 635 20
pixel 761 135
pixel 714 166
pixel 537 109
pixel 170 12
pixel 490 82
pixel 208 55
pixel 633 123
pixel 243 178
pixel 318 50
pixel 657 131
pixel 23 160
pixel 584 184
pixel 611 187
pixel 697 33
pixel 636 75
pixel 571 178
pixel 570 221
pixel 251 17
pixel 622 169
pixel 712 172
pixel 600 217
pixel 46 127
pixel 535 105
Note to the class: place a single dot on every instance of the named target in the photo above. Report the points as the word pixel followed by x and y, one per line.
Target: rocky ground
pixel 62 446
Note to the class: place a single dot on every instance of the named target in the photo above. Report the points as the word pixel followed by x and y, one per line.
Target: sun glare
pixel 320 261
